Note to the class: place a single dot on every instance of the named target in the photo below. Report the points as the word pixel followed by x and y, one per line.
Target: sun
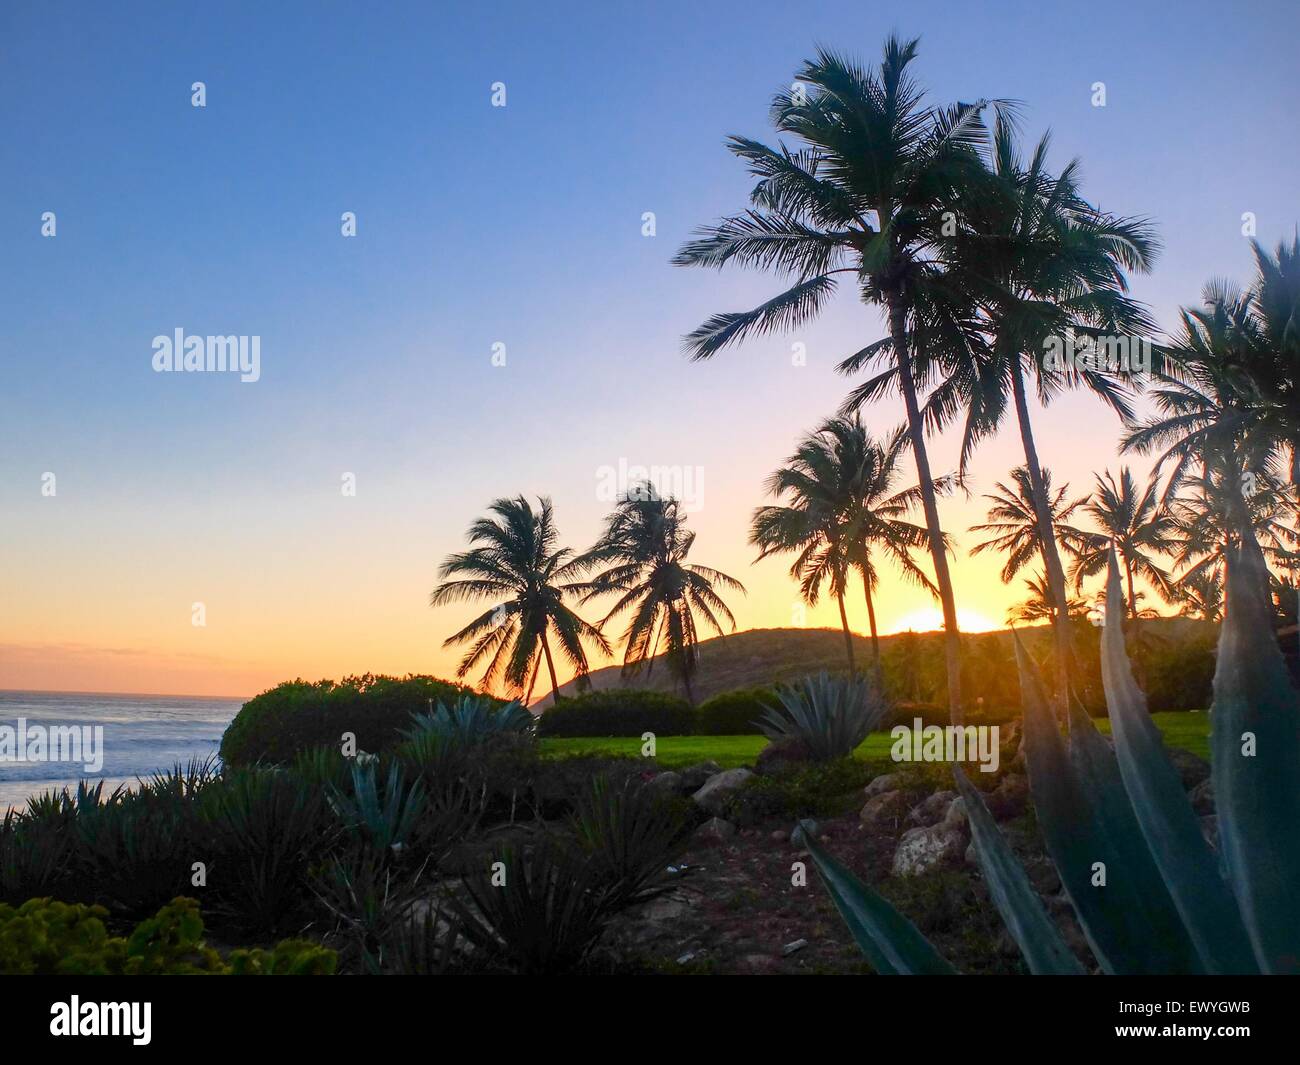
pixel 931 620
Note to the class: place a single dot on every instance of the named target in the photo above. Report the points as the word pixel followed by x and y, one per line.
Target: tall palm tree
pixel 840 504
pixel 643 551
pixel 514 558
pixel 864 196
pixel 1013 521
pixel 1044 267
pixel 1275 368
pixel 1138 525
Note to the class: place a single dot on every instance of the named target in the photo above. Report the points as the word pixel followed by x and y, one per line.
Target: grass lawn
pixel 1188 731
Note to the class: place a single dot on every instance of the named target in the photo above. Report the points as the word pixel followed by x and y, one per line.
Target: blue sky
pixel 519 225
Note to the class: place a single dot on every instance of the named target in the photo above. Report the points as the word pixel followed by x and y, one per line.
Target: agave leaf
pixel 1112 916
pixel 890 941
pixel 1021 909
pixel 1166 817
pixel 1258 796
pixel 1099 776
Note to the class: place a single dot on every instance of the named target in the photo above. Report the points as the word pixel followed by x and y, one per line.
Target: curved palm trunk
pixel 550 665
pixel 875 635
pixel 1046 537
pixel 848 636
pixel 916 432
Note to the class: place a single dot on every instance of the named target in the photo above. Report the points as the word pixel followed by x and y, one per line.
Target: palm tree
pixel 1275 368
pixel 840 503
pixel 514 559
pixel 865 196
pixel 1043 267
pixel 1013 521
pixel 1138 525
pixel 1041 604
pixel 643 551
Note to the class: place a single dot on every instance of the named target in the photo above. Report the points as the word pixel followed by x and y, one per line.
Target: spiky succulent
pixel 829 715
pixel 1166 906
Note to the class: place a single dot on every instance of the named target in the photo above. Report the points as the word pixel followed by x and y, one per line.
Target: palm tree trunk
pixel 848 636
pixel 537 668
pixel 871 619
pixel 916 432
pixel 1046 537
pixel 550 665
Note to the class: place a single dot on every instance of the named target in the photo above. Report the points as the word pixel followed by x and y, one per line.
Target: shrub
pixel 296 716
pixel 45 937
pixel 735 713
pixel 827 789
pixel 618 712
pixel 830 715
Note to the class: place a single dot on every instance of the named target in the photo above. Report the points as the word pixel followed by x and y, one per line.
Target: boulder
pixel 713 795
pixel 696 776
pixel 886 810
pixel 922 849
pixel 956 813
pixel 932 810
pixel 883 783
pixel 715 830
pixel 668 783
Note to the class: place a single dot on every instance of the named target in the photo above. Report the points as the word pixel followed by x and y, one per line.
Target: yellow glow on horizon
pixel 931 620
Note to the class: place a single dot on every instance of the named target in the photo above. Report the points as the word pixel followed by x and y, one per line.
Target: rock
pixel 1010 798
pixel 696 776
pixel 779 836
pixel 759 963
pixel 956 814
pixel 1192 768
pixel 923 849
pixel 668 783
pixel 806 827
pixel 971 857
pixel 884 782
pixel 783 756
pixel 716 830
pixel 1202 797
pixel 712 796
pixel 1210 830
pixel 666 908
pixel 932 810
pixel 886 810
pixel 790 948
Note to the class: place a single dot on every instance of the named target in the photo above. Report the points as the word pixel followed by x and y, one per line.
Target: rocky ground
pixel 741 906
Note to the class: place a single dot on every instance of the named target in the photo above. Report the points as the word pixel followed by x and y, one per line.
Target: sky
pixel 481 226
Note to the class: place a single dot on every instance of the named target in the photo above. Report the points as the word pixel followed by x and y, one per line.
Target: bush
pixel 296 716
pixel 734 713
pixel 827 789
pixel 829 715
pixel 619 712
pixel 43 937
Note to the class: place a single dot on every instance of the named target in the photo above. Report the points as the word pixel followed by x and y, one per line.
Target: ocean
pixel 141 735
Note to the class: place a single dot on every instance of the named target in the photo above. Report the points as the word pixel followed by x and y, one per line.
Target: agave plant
pixel 471 720
pixel 1167 907
pixel 384 818
pixel 829 715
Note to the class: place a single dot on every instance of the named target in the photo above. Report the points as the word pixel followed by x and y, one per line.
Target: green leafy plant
pixel 1166 907
pixel 384 818
pixel 829 715
pixel 47 937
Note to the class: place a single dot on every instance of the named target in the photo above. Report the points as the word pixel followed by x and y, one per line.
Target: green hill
pixel 1176 656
